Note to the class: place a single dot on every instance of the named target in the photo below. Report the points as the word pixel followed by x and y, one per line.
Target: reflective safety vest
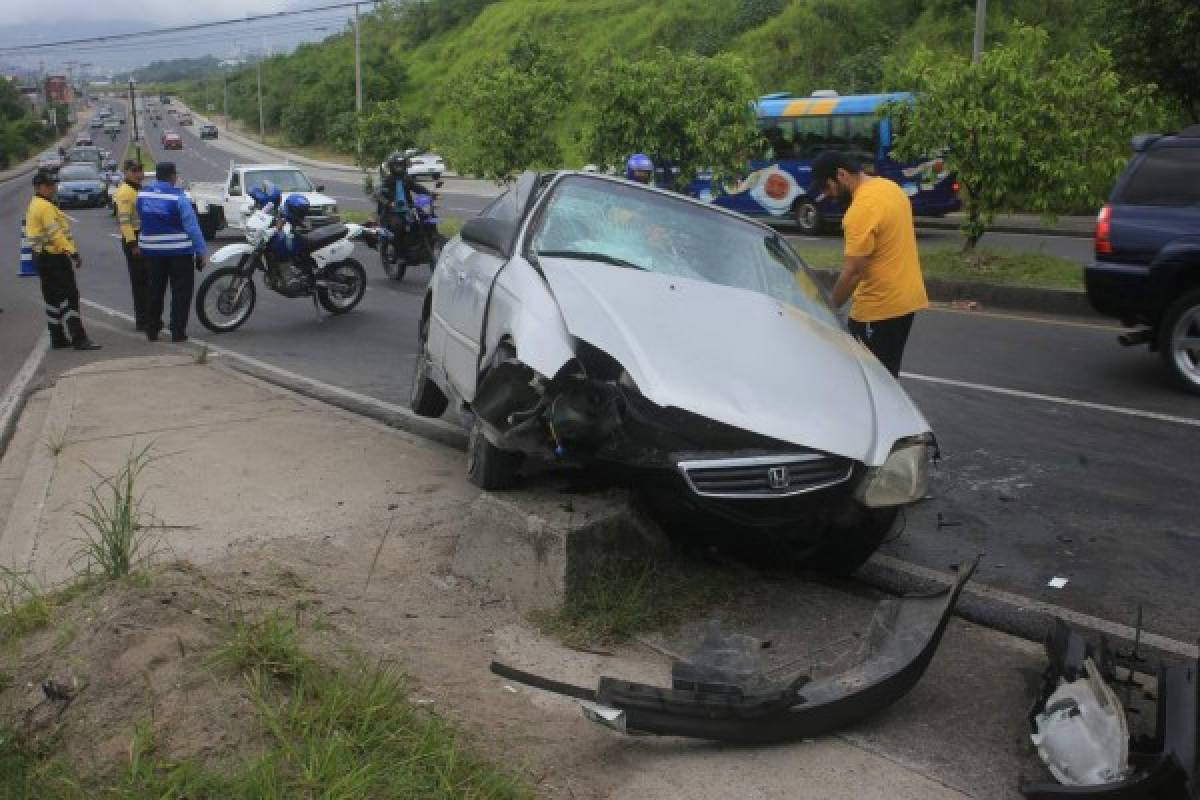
pixel 127 216
pixel 47 228
pixel 169 225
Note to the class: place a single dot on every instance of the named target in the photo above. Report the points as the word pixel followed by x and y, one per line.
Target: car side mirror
pixel 320 187
pixel 490 234
pixel 235 192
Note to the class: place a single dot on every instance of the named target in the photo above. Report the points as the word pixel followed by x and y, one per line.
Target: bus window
pixel 857 134
pixel 778 137
pixel 812 136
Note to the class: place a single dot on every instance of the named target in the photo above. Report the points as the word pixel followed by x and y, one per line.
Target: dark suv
pixel 1147 267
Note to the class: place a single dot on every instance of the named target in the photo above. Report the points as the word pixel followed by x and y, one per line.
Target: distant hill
pixel 176 69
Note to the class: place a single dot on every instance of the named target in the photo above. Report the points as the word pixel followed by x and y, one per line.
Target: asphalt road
pixel 1064 454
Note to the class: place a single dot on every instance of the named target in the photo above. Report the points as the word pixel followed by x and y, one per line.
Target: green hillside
pixel 420 54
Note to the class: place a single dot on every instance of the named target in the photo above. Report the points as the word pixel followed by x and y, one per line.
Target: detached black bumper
pixel 723 693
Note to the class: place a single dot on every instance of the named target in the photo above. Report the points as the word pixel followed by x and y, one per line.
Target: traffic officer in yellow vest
pixel 56 258
pixel 127 220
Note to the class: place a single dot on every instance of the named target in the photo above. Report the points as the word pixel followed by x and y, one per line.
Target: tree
pixel 1156 41
pixel 1022 130
pixel 504 112
pixel 691 111
pixel 382 128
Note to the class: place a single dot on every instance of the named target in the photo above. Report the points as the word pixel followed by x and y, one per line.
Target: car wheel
pixel 426 398
pixel 847 549
pixel 489 467
pixel 1179 340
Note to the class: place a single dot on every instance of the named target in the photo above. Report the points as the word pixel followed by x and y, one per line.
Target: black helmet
pixel 397 164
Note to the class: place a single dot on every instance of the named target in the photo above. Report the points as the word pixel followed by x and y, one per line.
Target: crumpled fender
pixel 731 699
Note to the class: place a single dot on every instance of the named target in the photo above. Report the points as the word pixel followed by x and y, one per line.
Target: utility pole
pixel 262 124
pixel 133 113
pixel 980 22
pixel 357 62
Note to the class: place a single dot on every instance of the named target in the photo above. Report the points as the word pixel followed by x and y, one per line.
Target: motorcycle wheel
pixel 217 295
pixel 393 266
pixel 353 279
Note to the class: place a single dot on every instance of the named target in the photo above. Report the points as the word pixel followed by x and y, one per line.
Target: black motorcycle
pixel 421 245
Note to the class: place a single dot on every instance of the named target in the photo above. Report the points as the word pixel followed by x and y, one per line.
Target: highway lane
pixel 1064 455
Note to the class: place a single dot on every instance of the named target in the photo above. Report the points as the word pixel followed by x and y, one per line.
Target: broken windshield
pixel 612 222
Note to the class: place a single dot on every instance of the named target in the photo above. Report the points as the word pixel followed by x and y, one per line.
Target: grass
pixel 328 733
pixel 25 608
pixel 985 265
pixel 56 441
pixel 626 598
pixel 147 158
pixel 115 524
pixel 202 355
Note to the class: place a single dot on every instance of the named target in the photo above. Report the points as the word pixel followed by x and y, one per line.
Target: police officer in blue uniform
pixel 172 245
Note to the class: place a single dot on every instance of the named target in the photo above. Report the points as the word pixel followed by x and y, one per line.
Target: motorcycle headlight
pixel 903 478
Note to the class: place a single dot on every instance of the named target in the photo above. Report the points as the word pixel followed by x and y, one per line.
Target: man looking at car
pixel 881 270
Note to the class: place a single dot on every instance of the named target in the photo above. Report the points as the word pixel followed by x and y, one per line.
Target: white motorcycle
pixel 314 264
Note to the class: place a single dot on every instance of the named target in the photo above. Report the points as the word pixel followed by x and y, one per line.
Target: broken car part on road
pixel 724 692
pixel 1082 734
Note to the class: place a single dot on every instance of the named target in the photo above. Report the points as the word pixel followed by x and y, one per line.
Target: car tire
pixel 489 467
pixel 808 217
pixel 847 549
pixel 426 398
pixel 1179 324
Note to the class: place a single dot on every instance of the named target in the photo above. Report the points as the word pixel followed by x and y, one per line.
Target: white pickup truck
pixel 228 204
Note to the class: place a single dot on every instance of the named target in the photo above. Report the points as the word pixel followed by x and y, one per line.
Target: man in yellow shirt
pixel 881 271
pixel 56 258
pixel 127 220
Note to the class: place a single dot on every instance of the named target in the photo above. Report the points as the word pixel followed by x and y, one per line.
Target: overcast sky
pixel 156 13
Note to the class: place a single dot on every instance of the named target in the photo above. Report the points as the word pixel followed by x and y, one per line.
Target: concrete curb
pixel 1036 230
pixel 1068 302
pixel 13 401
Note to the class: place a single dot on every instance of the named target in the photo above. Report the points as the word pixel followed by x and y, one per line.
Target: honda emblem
pixel 777 477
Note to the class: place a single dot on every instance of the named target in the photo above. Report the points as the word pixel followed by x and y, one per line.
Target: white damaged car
pixel 586 318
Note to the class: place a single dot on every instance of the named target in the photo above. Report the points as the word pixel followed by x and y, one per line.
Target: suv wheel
pixel 1179 340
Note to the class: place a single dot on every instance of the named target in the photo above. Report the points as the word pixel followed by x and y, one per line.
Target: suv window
pixel 1165 176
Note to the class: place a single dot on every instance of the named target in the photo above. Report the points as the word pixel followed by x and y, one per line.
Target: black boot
pixel 58 339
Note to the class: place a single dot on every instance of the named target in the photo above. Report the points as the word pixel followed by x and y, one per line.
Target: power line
pixel 177 40
pixel 116 37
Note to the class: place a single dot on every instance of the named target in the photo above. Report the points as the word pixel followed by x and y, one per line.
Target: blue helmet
pixel 640 168
pixel 295 208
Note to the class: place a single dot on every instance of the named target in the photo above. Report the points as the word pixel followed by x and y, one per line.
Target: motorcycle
pixel 321 268
pixel 423 243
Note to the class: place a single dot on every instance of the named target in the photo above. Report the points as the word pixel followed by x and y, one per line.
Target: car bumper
pixel 81 201
pixel 1118 290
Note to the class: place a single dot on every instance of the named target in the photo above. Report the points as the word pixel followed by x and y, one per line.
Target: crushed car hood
pixel 737 357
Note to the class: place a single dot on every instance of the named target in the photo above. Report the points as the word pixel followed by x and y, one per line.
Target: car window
pixel 593 219
pixel 78 174
pixel 1165 176
pixel 286 180
pixel 503 207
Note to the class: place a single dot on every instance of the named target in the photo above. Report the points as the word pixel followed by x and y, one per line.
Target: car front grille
pixel 784 475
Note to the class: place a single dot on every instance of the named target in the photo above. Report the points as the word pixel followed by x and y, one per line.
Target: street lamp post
pixel 980 22
pixel 137 149
pixel 262 125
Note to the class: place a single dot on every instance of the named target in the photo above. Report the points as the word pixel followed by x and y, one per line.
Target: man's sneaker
pixel 86 344
pixel 60 344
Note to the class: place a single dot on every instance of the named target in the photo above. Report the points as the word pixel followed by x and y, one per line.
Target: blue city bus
pixel 796 129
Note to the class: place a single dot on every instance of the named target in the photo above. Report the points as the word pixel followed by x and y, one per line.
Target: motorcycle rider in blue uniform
pixel 395 200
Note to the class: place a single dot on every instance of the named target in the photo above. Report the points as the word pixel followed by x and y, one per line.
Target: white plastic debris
pixel 1057 583
pixel 1082 734
pixel 604 715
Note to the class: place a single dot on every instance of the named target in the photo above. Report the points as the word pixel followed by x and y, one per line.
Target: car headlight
pixel 903 478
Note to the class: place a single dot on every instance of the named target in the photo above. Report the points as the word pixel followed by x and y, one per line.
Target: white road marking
pixel 1049 398
pixel 1024 318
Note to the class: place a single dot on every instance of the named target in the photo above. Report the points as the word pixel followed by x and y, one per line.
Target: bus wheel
pixel 807 216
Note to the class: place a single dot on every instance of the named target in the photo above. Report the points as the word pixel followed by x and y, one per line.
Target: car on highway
pixel 81 185
pixel 185 119
pixel 208 131
pixel 96 123
pixel 112 127
pixel 85 154
pixel 1146 272
pixel 84 140
pixel 426 165
pixel 50 161
pixel 172 141
pixel 587 319
pixel 228 204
